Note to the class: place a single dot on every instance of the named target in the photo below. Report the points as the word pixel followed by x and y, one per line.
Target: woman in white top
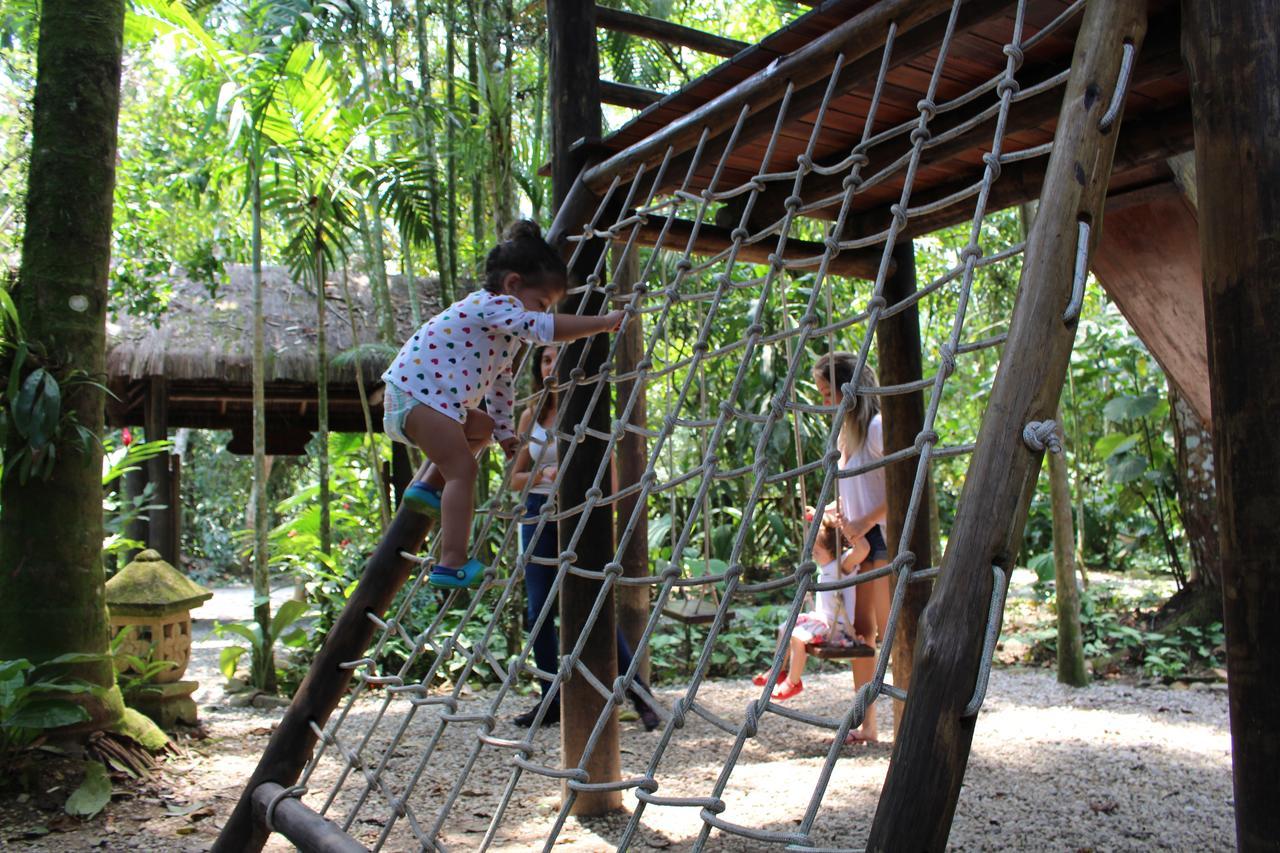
pixel 860 508
pixel 537 465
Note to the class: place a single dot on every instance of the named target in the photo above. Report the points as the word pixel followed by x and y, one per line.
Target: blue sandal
pixel 423 499
pixel 471 573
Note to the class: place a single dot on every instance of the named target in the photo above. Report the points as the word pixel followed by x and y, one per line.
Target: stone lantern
pixel 150 603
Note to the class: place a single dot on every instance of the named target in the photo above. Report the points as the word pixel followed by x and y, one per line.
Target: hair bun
pixel 523 229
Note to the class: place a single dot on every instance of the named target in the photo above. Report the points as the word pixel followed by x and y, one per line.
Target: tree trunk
pixel 375 465
pixel 51 582
pixel 477 185
pixel 1071 667
pixel 451 143
pixel 322 392
pixel 427 142
pixel 371 227
pixel 263 665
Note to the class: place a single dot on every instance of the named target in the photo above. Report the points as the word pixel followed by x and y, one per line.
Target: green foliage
pixel 93 794
pixel 135 672
pixel 33 701
pixel 283 630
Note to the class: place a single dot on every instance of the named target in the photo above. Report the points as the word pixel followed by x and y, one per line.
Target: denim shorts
pixel 875 538
pixel 396 405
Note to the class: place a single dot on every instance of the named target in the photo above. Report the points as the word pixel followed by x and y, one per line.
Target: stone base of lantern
pixel 166 704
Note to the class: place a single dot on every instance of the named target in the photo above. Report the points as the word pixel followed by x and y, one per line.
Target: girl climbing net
pixel 458 359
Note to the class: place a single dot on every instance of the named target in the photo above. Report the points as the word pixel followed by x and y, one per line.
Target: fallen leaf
pixel 93 794
pixel 1104 807
pixel 178 810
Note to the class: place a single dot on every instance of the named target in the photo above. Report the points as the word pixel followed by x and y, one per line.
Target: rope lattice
pixel 399 797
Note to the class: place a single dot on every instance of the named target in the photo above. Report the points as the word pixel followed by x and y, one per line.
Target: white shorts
pixel 396 405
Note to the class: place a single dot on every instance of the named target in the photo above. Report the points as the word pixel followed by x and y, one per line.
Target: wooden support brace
pixel 626 95
pixel 308 831
pixel 665 31
pixel 920 792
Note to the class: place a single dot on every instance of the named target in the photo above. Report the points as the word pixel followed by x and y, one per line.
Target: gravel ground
pixel 1110 767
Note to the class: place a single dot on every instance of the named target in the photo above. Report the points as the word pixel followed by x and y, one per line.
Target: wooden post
pixel 633 457
pixel 931 749
pixel 156 424
pixel 1232 49
pixel 898 338
pixel 575 115
pixel 326 683
pixel 134 483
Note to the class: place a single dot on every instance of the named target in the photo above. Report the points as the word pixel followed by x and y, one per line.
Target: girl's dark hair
pixel 535 373
pixel 829 538
pixel 522 251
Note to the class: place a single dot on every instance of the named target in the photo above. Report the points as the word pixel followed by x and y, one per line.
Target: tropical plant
pixel 259 646
pixel 33 702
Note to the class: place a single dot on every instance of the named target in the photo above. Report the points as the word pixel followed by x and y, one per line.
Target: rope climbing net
pixel 421 754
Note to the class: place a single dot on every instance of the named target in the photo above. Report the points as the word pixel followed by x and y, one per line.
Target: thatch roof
pixel 209 338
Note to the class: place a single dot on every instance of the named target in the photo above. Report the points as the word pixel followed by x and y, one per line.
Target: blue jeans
pixel 537 586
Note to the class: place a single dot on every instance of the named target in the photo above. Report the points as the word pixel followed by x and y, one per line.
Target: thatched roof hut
pixel 198 362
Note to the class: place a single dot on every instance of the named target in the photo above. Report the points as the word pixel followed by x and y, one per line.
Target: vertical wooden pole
pixel 633 456
pixel 1232 48
pixel 898 338
pixel 160 529
pixel 133 485
pixel 930 751
pixel 575 115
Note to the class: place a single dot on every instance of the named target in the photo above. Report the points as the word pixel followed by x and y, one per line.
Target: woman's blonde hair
pixel 836 368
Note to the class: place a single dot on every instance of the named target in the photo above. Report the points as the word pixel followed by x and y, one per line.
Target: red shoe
pixel 763 678
pixel 786 689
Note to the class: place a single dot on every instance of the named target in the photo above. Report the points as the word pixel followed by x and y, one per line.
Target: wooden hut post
pixel 633 456
pixel 159 474
pixel 575 116
pixel 898 338
pixel 1232 48
pixel 931 748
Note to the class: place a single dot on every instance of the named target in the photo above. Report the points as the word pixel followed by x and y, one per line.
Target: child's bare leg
pixel 445 442
pixel 864 669
pixel 479 432
pixel 798 658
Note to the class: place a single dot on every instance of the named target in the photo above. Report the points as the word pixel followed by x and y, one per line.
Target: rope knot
pixel 805 162
pixel 920 136
pixel 723 280
pixel 751 722
pixel 973 250
pixel 579 433
pixel 904 561
pixel 594 493
pixel 832 246
pixel 757 184
pixel 670 573
pixel 899 214
pixel 993 163
pixel 678 710
pixel 738 234
pixel 644 364
pixel 925 437
pixel 684 265
pixel 569 557
pixel 947 357
pixel 928 109
pixel 1015 53
pixel 1008 86
pixel 619 690
pixel 775 260
pixel 1041 436
pixel 792 203
pixel 755 330
pixel 832 457
pixel 876 303
pixel 593 280
pixel 577 374
pixel 614 568
pixel 851 182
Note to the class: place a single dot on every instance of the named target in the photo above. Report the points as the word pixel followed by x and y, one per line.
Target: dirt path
pixel 1110 767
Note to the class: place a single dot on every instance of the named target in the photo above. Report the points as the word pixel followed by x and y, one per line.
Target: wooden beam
pixel 310 832
pixel 1143 141
pixel 918 800
pixel 714 239
pixel 898 340
pixel 160 535
pixel 666 32
pixel 1233 54
pixel 626 95
pixel 575 114
pixel 856 39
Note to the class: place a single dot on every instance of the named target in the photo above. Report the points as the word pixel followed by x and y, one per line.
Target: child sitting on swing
pixel 463 356
pixel 831 620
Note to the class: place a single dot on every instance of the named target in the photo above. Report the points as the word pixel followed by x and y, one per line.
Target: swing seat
pixel 694 611
pixel 840 651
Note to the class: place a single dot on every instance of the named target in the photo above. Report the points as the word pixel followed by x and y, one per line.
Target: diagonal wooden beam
pixel 667 32
pixel 626 95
